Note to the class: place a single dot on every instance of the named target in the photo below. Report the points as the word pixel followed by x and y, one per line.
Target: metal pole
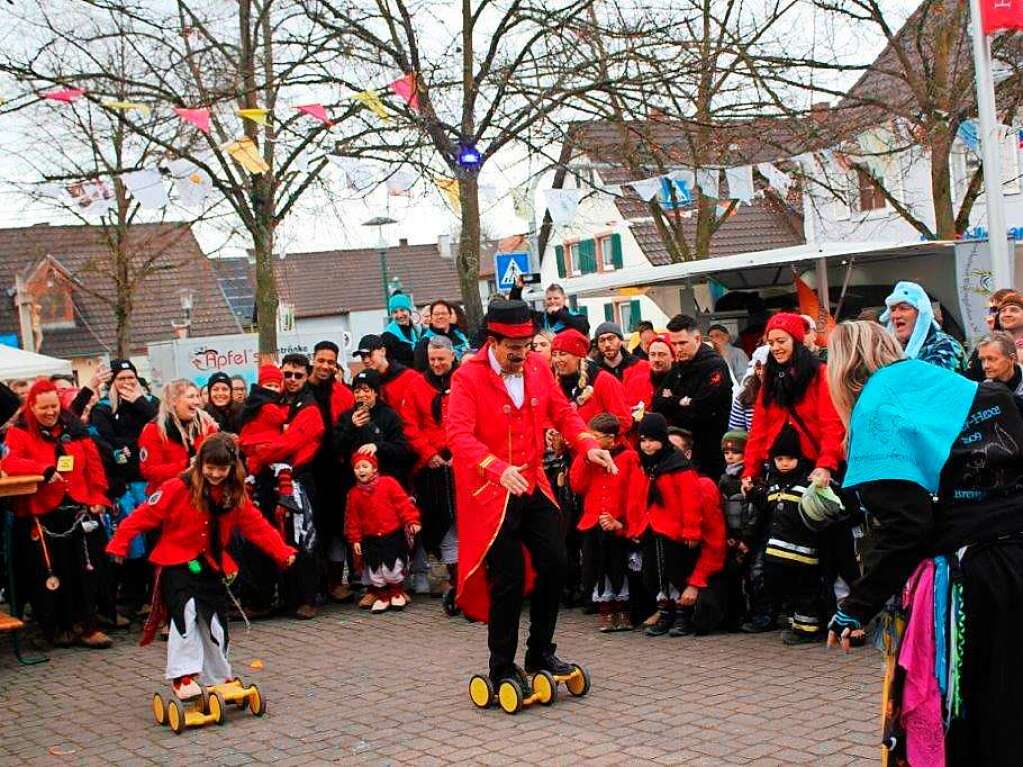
pixel 383 272
pixel 991 148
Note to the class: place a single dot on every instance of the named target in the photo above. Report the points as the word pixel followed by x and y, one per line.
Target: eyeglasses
pixel 993 310
pixel 293 374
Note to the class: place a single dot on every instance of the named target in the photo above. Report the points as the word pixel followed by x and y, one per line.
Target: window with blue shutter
pixel 616 250
pixel 635 313
pixel 587 256
pixel 609 312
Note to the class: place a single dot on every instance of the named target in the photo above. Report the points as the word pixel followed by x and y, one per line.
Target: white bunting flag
pixel 146 186
pixel 740 183
pixel 647 188
pixel 708 179
pixel 191 183
pixel 778 180
pixel 562 204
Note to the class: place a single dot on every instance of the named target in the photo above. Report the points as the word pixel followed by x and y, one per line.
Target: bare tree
pixel 499 79
pixel 913 100
pixel 698 86
pixel 257 55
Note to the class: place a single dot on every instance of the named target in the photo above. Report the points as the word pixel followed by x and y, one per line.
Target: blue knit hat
pixel 399 301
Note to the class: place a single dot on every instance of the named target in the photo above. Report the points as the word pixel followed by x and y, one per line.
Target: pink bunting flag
pixel 408 88
pixel 316 111
pixel 200 118
pixel 67 95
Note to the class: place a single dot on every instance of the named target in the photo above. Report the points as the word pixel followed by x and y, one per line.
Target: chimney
pixel 444 245
pixel 403 242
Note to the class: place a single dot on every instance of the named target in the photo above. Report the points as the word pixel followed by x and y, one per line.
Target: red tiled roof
pixel 81 251
pixel 330 282
pixel 655 147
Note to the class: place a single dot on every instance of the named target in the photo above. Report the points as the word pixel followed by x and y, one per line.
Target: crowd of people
pixel 689 485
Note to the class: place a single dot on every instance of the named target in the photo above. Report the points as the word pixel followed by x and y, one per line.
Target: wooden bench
pixel 11 486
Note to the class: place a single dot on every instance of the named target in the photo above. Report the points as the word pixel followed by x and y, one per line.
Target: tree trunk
pixel 469 251
pixel 941 185
pixel 266 293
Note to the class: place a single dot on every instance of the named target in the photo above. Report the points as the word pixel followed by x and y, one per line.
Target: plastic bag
pixel 820 507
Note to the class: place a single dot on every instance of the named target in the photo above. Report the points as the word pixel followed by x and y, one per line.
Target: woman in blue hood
pixel 910 318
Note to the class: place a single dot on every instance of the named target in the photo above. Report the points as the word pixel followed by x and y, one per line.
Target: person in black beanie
pixel 221 407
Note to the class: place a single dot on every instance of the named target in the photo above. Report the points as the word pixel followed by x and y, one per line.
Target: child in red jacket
pixel 380 522
pixel 198 513
pixel 674 518
pixel 612 512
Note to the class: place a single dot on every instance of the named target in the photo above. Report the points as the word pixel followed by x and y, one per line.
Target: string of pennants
pixel 677 187
pixel 193 185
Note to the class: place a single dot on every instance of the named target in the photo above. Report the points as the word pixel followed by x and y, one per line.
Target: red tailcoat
pixel 486 435
pixel 162 459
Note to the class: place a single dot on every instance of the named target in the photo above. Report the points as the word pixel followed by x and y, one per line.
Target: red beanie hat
pixel 367 457
pixel 572 342
pixel 662 338
pixel 791 323
pixel 270 374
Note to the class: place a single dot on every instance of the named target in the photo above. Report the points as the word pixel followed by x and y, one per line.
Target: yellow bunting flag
pixel 127 106
pixel 372 101
pixel 256 114
pixel 245 152
pixel 449 188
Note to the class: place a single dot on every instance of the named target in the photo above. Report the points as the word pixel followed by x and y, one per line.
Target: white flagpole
pixel 991 149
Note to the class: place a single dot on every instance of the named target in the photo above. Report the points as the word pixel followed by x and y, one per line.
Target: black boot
pixel 665 620
pixel 547 661
pixel 681 627
pixel 516 673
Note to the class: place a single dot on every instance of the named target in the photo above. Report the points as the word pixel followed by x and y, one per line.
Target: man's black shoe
pixel 681 627
pixel 515 673
pixel 548 661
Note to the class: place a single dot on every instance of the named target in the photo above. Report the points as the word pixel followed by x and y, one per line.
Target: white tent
pixel 18 363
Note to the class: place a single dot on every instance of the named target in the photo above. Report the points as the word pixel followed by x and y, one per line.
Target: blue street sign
pixel 508 267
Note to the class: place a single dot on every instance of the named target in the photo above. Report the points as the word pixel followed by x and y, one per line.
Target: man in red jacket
pixel 500 403
pixel 632 371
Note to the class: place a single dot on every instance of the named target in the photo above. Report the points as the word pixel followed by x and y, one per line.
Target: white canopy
pixel 18 363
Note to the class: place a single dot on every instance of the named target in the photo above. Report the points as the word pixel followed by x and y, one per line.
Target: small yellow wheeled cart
pixel 510 695
pixel 577 683
pixel 208 708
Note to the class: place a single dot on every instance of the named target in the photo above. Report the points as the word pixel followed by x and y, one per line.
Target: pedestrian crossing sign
pixel 508 267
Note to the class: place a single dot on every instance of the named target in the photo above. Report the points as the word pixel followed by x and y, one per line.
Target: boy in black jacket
pixel 792 555
pixel 742 531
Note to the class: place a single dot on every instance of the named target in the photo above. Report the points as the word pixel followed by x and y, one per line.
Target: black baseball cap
pixel 368 344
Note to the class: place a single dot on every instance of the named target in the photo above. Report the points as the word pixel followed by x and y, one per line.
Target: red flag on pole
pixel 1001 14
pixel 200 118
pixel 316 111
pixel 408 88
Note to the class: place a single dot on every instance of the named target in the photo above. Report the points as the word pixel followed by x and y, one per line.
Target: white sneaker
pixel 398 601
pixel 187 690
pixel 380 606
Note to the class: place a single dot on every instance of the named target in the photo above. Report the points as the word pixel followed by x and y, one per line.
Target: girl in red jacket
pixel 380 520
pixel 198 513
pixel 168 444
pixel 58 528
pixel 674 517
pixel 612 512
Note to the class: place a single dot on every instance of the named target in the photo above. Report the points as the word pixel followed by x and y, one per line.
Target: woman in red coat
pixel 168 444
pixel 794 391
pixel 58 527
pixel 591 389
pixel 198 513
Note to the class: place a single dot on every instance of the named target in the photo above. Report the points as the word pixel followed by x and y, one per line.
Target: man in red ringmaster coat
pixel 500 403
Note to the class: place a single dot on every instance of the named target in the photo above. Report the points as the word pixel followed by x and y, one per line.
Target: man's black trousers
pixel 531 521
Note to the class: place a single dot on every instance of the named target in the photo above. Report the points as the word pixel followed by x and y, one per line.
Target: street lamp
pixel 380 222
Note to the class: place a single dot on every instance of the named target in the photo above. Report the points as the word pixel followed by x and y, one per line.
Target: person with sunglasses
pixel 285 462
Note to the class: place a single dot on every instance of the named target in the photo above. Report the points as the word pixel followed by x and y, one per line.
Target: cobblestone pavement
pixel 352 688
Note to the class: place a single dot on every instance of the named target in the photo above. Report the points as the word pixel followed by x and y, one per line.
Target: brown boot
pixel 604 617
pixel 368 599
pixel 95 640
pixel 305 612
pixel 340 593
pixel 63 639
pixel 624 621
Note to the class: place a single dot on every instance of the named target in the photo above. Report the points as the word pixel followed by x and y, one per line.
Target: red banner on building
pixel 1001 14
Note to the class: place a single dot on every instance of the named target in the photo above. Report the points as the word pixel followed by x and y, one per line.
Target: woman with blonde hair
pixel 937 464
pixel 169 443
